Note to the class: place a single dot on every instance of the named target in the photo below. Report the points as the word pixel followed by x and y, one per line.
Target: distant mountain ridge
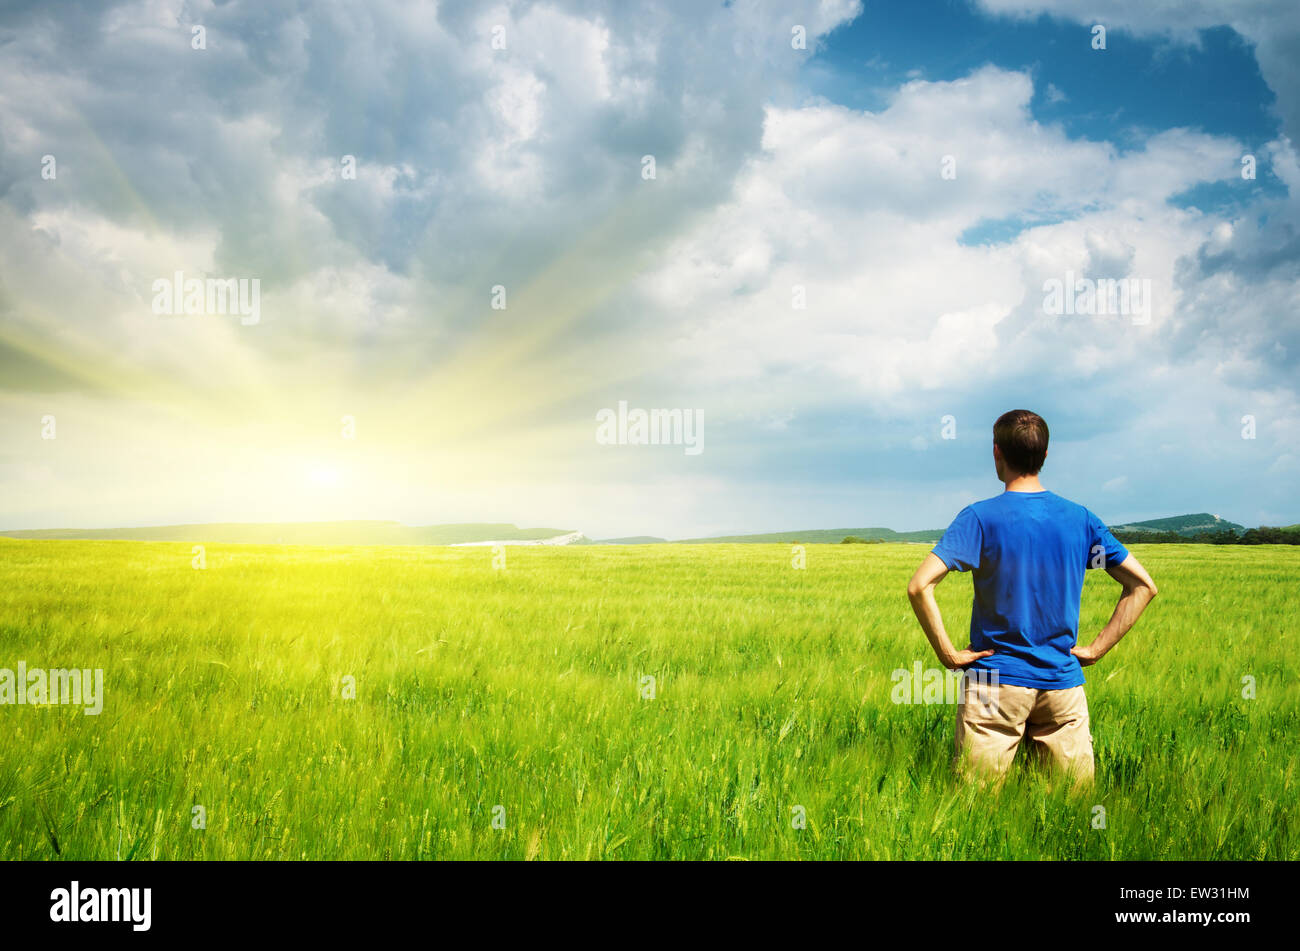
pixel 1182 525
pixel 821 535
pixel 480 533
pixel 629 540
pixel 307 533
pixel 1187 525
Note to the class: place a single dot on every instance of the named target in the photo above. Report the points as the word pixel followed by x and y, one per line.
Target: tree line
pixel 1264 535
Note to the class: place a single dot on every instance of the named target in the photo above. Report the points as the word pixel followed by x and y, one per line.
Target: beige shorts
pixel 992 719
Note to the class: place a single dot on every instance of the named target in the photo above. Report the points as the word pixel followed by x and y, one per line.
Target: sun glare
pixel 323 476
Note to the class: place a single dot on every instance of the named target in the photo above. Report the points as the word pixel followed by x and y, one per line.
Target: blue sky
pixel 800 270
pixel 1144 83
pixel 1141 82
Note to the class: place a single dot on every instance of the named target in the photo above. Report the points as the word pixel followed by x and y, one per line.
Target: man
pixel 1027 549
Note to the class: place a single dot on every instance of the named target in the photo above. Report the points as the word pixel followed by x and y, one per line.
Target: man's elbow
pixel 1146 587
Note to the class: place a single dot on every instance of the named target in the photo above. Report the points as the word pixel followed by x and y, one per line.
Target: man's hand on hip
pixel 964 658
pixel 1087 655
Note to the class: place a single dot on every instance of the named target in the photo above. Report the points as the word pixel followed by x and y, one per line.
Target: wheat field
pixel 606 702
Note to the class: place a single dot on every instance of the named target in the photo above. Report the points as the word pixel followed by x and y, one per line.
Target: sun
pixel 322 476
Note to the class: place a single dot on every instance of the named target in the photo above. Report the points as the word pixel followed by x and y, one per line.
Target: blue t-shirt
pixel 1028 552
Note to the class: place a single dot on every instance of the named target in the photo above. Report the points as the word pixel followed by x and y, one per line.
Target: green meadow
pixel 510 714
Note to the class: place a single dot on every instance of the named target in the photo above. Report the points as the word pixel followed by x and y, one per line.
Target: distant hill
pixel 630 540
pixel 1182 525
pixel 1177 528
pixel 824 535
pixel 306 533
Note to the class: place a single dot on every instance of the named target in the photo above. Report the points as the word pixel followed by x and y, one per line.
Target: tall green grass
pixel 522 688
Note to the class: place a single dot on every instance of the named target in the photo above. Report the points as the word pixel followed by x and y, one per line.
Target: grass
pixel 523 689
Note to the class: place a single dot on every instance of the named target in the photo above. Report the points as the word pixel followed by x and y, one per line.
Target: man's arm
pixel 1138 591
pixel 920 591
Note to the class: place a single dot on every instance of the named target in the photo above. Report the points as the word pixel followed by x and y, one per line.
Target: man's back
pixel 1028 552
pixel 1027 549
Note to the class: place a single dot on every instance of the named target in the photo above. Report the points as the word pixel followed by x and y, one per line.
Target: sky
pixel 823 230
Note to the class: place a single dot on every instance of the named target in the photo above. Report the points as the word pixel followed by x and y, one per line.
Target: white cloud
pixel 851 206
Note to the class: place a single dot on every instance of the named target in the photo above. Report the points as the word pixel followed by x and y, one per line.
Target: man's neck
pixel 1024 483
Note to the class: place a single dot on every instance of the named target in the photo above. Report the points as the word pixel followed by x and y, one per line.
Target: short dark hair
pixel 1022 438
